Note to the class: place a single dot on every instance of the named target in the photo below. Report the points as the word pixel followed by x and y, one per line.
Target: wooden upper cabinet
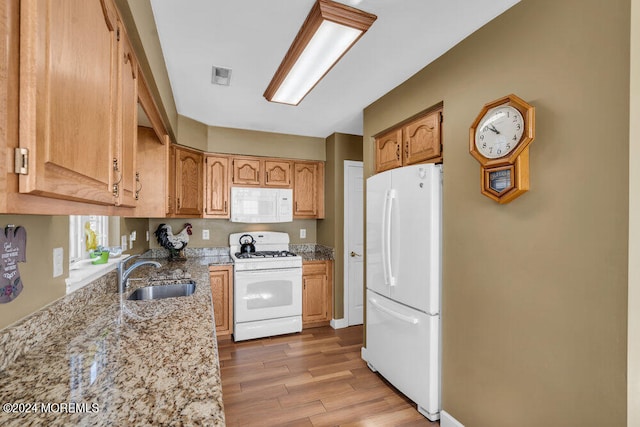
pixel 277 173
pixel 308 190
pixel 416 141
pixel 152 165
pixel 127 175
pixel 188 182
pixel 246 171
pixel 388 150
pixel 422 139
pixel 68 96
pixel 216 187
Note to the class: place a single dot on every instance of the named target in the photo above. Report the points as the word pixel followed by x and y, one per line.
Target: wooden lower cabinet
pixel 317 293
pixel 221 279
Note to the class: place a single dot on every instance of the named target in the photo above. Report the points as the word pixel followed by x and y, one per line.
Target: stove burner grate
pixel 264 254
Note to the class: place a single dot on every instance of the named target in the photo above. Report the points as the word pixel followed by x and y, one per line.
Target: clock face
pixel 499 132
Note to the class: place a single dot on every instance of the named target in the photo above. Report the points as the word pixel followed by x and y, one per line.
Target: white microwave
pixel 261 205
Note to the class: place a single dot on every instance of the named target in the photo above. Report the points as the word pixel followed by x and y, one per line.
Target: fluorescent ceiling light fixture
pixel 327 34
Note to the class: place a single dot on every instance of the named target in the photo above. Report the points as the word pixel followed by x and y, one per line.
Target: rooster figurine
pixel 174 244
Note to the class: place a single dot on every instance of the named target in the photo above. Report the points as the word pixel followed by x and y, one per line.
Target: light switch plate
pixel 303 233
pixel 205 234
pixel 58 257
pixel 123 242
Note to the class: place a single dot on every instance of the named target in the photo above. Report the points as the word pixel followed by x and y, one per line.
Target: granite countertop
pixel 313 252
pixel 121 362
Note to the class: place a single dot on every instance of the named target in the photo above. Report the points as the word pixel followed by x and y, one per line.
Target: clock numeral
pixel 508 146
pixel 484 145
pixel 518 126
pixel 515 137
pixel 490 150
pixel 481 137
pixel 499 151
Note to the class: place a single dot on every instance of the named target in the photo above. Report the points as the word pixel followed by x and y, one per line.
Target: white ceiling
pixel 252 36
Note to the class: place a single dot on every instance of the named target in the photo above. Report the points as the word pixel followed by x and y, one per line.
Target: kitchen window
pixel 99 225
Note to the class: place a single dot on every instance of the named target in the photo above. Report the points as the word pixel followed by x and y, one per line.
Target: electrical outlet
pixel 205 234
pixel 147 235
pixel 133 236
pixel 303 233
pixel 58 256
pixel 123 242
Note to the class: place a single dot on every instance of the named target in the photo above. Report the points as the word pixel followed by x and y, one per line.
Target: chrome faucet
pixel 123 274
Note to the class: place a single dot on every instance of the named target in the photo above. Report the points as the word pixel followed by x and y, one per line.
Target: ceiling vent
pixel 221 76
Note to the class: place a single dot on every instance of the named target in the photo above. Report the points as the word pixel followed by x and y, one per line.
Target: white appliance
pixel 267 288
pixel 261 205
pixel 404 217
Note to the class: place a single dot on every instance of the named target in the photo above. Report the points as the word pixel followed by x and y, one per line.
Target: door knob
pixel 353 254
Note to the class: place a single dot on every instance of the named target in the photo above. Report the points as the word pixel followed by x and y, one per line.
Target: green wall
pixel 40 287
pixel 339 147
pixel 633 340
pixel 534 312
pixel 219 230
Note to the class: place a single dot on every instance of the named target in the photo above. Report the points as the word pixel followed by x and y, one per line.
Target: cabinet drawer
pixel 314 267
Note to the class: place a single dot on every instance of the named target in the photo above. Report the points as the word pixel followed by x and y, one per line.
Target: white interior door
pixel 353 244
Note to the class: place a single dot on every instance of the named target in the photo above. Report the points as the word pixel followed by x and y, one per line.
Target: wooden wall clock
pixel 499 139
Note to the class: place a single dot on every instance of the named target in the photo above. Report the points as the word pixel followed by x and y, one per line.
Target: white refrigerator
pixel 404 275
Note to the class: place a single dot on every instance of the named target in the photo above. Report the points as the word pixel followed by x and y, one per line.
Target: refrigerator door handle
pixel 391 197
pixel 402 317
pixel 384 237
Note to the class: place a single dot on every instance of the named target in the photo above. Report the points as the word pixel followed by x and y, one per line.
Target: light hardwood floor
pixel 315 378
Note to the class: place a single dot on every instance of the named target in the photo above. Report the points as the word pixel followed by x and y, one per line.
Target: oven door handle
pixel 270 271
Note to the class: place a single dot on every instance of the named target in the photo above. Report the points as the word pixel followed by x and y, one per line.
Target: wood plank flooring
pixel 315 378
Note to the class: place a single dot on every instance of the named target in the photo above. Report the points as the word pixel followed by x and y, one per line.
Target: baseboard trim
pixel 339 323
pixel 363 353
pixel 446 420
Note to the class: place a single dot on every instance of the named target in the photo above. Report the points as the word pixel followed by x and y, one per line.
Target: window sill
pixel 83 272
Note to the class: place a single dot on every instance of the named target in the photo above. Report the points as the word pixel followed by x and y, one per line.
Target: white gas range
pixel 267 285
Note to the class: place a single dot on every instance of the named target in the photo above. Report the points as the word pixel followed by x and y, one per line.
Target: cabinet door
pixel 246 171
pixel 422 139
pixel 68 70
pixel 316 295
pixel 189 182
pixel 277 173
pixel 221 280
pixel 217 187
pixel 308 189
pixel 127 176
pixel 152 165
pixel 388 151
pixel 172 187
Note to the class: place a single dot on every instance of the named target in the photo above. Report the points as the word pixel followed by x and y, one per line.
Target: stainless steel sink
pixel 163 291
